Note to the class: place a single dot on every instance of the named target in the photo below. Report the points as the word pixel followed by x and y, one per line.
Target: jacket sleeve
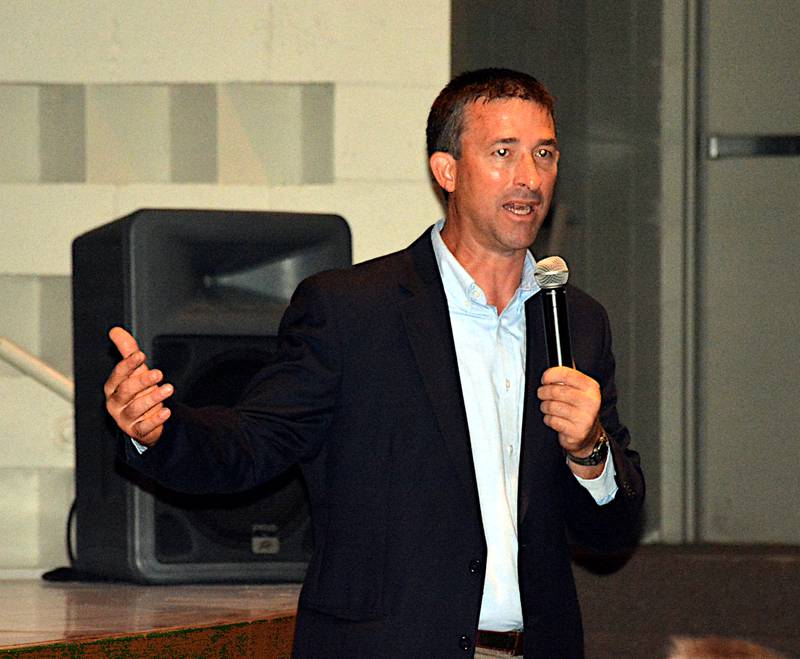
pixel 616 525
pixel 280 421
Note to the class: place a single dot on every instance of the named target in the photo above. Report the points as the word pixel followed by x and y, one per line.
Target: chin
pixel 523 235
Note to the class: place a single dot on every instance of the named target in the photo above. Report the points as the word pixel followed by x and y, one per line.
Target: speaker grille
pixel 269 523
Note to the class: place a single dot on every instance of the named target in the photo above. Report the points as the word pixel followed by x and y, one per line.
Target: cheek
pixel 494 176
pixel 549 184
pixel 482 181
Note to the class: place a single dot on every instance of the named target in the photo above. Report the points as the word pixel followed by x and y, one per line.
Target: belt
pixel 508 642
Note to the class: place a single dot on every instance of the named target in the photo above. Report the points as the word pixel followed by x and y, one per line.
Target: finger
pixel 555 375
pixel 136 407
pixel 582 398
pixel 142 368
pixel 148 429
pixel 561 425
pixel 558 392
pixel 133 364
pixel 137 384
pixel 577 391
pixel 124 341
pixel 144 404
pixel 571 412
pixel 580 419
pixel 570 436
pixel 568 376
pixel 133 386
pixel 586 401
pixel 558 408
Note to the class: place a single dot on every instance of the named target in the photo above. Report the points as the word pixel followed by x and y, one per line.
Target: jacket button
pixel 475 566
pixel 465 644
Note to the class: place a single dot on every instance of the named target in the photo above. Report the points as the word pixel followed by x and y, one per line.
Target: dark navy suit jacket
pixel 366 396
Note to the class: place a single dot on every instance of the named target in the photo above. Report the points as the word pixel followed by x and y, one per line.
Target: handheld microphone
pixel 551 274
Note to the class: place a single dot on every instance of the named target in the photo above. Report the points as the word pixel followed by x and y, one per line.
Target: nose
pixel 526 173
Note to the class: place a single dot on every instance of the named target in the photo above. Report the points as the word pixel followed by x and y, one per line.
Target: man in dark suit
pixel 448 468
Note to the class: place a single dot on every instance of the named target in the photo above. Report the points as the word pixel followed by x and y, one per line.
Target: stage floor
pixel 631 609
pixel 40 619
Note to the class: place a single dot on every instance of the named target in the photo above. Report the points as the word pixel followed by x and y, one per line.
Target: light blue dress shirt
pixel 490 349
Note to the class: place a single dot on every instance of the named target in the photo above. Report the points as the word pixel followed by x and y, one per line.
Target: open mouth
pixel 518 209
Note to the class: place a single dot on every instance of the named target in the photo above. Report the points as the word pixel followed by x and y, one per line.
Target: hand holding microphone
pixel 570 400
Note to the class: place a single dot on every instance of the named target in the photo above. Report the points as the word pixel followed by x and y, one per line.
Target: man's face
pixel 502 184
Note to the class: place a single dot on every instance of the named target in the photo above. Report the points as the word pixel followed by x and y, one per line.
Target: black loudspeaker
pixel 203 292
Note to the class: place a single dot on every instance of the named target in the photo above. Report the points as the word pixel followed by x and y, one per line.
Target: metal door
pixel 748 368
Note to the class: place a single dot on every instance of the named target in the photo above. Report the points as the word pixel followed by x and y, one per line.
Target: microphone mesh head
pixel 551 272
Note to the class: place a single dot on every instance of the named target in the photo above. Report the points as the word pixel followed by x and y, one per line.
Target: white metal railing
pixel 34 367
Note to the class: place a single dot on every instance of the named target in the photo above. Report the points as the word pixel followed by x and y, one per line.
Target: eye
pixel 503 152
pixel 544 153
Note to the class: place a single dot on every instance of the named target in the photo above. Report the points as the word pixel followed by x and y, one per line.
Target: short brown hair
pixel 716 647
pixel 446 118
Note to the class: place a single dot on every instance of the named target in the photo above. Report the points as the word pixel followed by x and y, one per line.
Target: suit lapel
pixel 535 434
pixel 427 322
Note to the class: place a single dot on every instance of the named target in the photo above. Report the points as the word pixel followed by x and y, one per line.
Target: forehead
pixel 507 118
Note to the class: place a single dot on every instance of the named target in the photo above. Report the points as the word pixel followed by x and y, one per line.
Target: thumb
pixel 124 341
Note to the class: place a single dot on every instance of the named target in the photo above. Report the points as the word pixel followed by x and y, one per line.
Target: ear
pixel 444 168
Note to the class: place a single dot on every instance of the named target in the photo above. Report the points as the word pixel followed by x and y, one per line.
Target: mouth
pixel 518 208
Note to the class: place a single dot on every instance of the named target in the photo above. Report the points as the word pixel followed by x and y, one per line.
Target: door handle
pixel 752 146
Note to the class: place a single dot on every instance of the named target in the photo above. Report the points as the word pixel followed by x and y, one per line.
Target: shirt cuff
pixel 603 488
pixel 139 447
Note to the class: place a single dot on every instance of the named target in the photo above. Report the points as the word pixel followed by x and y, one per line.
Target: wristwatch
pixel 597 456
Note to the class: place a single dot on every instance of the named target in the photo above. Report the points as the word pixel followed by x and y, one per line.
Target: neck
pixel 497 273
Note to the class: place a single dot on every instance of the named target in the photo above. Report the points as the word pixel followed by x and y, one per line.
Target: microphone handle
pixel 556 327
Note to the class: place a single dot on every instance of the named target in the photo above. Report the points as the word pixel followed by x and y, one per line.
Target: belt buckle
pixel 510 643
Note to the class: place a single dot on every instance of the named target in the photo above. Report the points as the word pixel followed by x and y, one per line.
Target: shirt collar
pixel 459 284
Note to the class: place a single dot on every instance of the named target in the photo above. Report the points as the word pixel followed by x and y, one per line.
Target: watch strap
pixel 598 454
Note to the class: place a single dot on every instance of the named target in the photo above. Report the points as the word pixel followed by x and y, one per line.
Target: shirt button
pixel 475 566
pixel 465 643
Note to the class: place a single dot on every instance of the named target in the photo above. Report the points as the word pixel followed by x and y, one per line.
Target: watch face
pixel 596 457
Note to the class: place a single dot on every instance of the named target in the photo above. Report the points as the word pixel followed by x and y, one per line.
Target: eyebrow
pixel 515 140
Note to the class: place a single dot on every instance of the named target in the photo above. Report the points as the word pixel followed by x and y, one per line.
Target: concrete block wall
pixel 108 107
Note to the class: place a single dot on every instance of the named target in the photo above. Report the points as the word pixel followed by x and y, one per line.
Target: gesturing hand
pixel 134 397
pixel 570 402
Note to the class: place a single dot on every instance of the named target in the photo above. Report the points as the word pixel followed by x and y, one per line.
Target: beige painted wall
pixel 78 79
